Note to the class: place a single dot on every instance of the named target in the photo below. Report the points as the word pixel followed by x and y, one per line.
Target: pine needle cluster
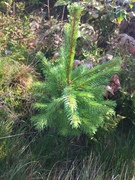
pixel 71 100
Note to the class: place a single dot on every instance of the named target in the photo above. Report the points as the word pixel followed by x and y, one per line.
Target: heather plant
pixel 16 37
pixel 15 101
pixel 16 59
pixel 16 77
pixel 71 100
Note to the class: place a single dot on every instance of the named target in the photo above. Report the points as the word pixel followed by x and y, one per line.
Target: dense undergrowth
pixel 66 158
pixel 30 61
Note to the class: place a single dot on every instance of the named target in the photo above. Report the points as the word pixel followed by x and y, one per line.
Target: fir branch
pixel 99 77
pixel 40 106
pixel 84 94
pixel 40 121
pixel 70 105
pixel 89 127
pixel 99 68
pixel 47 114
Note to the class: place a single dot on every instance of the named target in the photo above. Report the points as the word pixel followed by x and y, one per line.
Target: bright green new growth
pixel 71 100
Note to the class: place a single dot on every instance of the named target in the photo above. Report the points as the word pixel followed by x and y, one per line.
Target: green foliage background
pixel 61 100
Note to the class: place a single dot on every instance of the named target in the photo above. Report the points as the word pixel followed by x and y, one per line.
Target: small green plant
pixel 126 98
pixel 16 37
pixel 71 100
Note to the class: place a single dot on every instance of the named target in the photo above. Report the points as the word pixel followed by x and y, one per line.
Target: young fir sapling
pixel 71 100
